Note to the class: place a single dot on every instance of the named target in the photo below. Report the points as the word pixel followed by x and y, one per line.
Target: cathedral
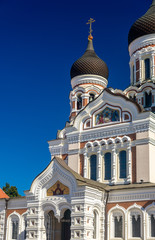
pixel 100 182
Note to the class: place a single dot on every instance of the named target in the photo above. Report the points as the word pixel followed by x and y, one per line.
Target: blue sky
pixel 39 41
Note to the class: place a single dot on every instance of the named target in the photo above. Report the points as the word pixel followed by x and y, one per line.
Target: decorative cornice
pixel 141 42
pixel 89 79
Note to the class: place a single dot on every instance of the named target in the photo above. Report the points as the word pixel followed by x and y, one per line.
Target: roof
pixel 3 194
pixel 144 25
pixel 81 181
pixel 89 63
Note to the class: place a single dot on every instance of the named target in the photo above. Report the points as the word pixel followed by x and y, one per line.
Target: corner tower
pixel 141 40
pixel 89 76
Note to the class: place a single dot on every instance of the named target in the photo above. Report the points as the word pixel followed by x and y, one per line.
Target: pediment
pixel 56 179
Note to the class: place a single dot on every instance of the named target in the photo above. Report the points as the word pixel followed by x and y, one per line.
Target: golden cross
pixel 90 21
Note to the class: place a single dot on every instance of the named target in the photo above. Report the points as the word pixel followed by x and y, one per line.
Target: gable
pixel 108 109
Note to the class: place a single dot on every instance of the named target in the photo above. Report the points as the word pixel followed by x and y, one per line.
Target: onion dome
pixel 89 63
pixel 144 25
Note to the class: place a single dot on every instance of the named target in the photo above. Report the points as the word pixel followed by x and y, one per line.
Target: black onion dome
pixel 144 25
pixel 89 63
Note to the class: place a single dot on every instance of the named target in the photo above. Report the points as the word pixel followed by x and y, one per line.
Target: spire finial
pixel 90 21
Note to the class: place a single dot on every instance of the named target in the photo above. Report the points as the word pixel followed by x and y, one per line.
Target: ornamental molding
pixel 144 86
pixel 89 79
pixel 131 197
pixel 141 42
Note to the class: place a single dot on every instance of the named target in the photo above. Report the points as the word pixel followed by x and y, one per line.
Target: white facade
pixel 100 183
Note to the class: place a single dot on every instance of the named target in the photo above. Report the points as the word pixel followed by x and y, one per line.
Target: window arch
pixel 135 223
pixel 14 227
pixel 107 166
pixel 148 99
pixel 93 167
pixel 151 220
pixel 118 224
pixel 79 102
pixel 147 68
pixel 122 164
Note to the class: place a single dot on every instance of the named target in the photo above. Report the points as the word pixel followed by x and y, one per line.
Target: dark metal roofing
pixel 89 63
pixel 144 25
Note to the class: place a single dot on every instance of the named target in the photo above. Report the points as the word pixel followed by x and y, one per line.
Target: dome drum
pixel 89 79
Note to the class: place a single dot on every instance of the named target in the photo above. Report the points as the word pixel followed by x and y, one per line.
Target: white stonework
pixel 100 182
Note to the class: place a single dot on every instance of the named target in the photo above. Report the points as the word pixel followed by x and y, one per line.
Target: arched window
pixel 136 225
pixel 91 97
pixel 66 223
pixel 148 99
pixel 94 224
pixel 107 166
pixel 15 227
pixel 152 218
pixel 147 68
pixel 93 167
pixel 118 227
pixel 79 102
pixel 122 164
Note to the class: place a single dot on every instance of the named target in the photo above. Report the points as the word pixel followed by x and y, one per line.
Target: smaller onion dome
pixel 144 25
pixel 89 63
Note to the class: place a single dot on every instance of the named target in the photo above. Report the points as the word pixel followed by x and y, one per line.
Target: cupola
pixel 89 63
pixel 144 25
pixel 89 76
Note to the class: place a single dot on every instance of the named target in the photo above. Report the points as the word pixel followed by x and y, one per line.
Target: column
pixel 129 178
pixel 85 164
pixel 85 99
pixel 140 69
pixel 153 66
pixel 113 177
pixel 99 165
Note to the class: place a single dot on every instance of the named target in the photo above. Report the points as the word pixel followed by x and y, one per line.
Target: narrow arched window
pixel 118 226
pixel 122 164
pixel 136 226
pixel 79 102
pixel 95 225
pixel 91 97
pixel 152 225
pixel 148 99
pixel 107 166
pixel 93 167
pixel 147 68
pixel 15 227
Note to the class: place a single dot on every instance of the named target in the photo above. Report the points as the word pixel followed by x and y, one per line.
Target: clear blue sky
pixel 39 41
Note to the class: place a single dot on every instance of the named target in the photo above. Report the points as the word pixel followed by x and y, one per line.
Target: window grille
pixel 14 229
pixel 118 227
pixel 136 225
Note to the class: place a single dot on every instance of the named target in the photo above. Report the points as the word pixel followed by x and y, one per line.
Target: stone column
pixel 129 177
pixel 153 66
pixel 85 169
pixel 140 69
pixel 113 177
pixel 99 165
